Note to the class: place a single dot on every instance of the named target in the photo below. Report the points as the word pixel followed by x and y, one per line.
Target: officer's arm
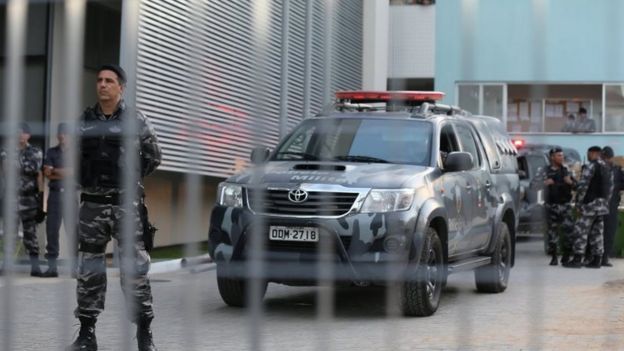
pixel 39 165
pixel 538 181
pixel 40 181
pixel 151 155
pixel 583 184
pixel 2 160
pixel 48 165
pixel 618 179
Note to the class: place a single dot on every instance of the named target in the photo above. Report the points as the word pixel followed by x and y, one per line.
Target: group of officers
pixel 581 226
pixel 100 135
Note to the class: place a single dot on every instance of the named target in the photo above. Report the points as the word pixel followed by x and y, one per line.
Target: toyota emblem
pixel 297 195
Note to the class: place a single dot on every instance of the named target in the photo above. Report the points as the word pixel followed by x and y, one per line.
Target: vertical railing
pixel 194 189
pixel 17 15
pixel 74 27
pixel 255 266
pixel 130 191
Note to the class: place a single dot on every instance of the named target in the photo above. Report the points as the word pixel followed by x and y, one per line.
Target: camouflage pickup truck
pixel 381 188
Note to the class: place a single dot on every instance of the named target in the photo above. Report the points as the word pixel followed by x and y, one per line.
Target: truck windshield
pixel 359 140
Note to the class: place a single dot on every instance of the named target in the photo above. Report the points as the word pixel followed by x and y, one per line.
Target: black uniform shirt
pixel 560 192
pixel 54 159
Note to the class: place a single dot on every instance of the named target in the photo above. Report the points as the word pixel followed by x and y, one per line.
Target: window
pixel 614 107
pixel 547 108
pixel 469 144
pixel 448 142
pixel 360 140
pixel 553 108
pixel 468 97
pixel 482 99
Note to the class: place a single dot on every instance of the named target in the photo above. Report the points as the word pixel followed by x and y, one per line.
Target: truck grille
pixel 318 203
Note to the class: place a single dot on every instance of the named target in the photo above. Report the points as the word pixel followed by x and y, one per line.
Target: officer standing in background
pixel 55 171
pixel 101 212
pixel 611 219
pixel 558 184
pixel 592 196
pixel 30 195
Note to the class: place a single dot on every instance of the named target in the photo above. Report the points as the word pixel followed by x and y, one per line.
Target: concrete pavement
pixel 544 308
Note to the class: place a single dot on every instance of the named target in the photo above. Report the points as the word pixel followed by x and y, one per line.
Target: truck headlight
pixel 230 195
pixel 380 201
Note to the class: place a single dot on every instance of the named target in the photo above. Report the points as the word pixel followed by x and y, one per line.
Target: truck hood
pixel 357 175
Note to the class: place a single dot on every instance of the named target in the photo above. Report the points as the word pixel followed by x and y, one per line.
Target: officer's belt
pixel 112 199
pixel 92 248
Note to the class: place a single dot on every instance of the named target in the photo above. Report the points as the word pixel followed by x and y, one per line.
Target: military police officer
pixel 558 183
pixel 611 219
pixel 101 211
pixel 592 197
pixel 30 195
pixel 55 170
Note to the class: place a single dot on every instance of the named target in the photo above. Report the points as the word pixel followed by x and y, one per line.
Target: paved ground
pixel 544 308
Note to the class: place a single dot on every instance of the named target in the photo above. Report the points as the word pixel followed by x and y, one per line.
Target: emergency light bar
pixel 385 96
pixel 518 143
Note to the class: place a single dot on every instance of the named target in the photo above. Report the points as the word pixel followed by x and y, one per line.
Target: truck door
pixel 452 188
pixel 479 182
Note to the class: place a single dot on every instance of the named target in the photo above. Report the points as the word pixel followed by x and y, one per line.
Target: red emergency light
pixel 518 143
pixel 385 96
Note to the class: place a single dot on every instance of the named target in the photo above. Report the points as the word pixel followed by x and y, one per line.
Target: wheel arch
pixel 505 215
pixel 431 214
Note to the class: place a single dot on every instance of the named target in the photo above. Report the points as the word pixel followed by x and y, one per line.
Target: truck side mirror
pixel 458 161
pixel 260 155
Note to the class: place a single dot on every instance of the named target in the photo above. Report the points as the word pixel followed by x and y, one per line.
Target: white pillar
pixel 375 43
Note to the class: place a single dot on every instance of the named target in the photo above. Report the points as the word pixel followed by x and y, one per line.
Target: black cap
pixel 594 149
pixel 582 110
pixel 607 152
pixel 24 127
pixel 63 128
pixel 121 74
pixel 554 150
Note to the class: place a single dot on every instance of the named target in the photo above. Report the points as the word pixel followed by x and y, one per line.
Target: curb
pixel 165 266
pixel 158 267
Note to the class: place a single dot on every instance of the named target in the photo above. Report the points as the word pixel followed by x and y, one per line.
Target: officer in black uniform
pixel 558 184
pixel 54 169
pixel 611 219
pixel 101 215
pixel 592 197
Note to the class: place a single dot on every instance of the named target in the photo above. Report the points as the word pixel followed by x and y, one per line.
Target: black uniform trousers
pixel 54 219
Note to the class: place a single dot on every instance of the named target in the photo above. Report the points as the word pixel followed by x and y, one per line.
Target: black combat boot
pixel 596 262
pixel 565 259
pixel 52 271
pixel 35 270
pixel 554 261
pixel 144 335
pixel 605 261
pixel 86 336
pixel 577 262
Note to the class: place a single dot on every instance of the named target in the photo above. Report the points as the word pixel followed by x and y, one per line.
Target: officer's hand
pixel 549 181
pixel 40 216
pixel 568 180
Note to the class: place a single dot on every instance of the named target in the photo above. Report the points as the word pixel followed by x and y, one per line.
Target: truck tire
pixel 233 290
pixel 420 294
pixel 493 278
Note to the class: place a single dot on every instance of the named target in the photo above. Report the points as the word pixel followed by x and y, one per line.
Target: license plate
pixel 282 233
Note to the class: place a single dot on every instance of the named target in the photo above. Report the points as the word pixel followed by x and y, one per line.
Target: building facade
pixel 534 64
pixel 214 77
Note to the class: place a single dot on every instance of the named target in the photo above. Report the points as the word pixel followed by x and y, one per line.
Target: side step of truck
pixel 468 264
